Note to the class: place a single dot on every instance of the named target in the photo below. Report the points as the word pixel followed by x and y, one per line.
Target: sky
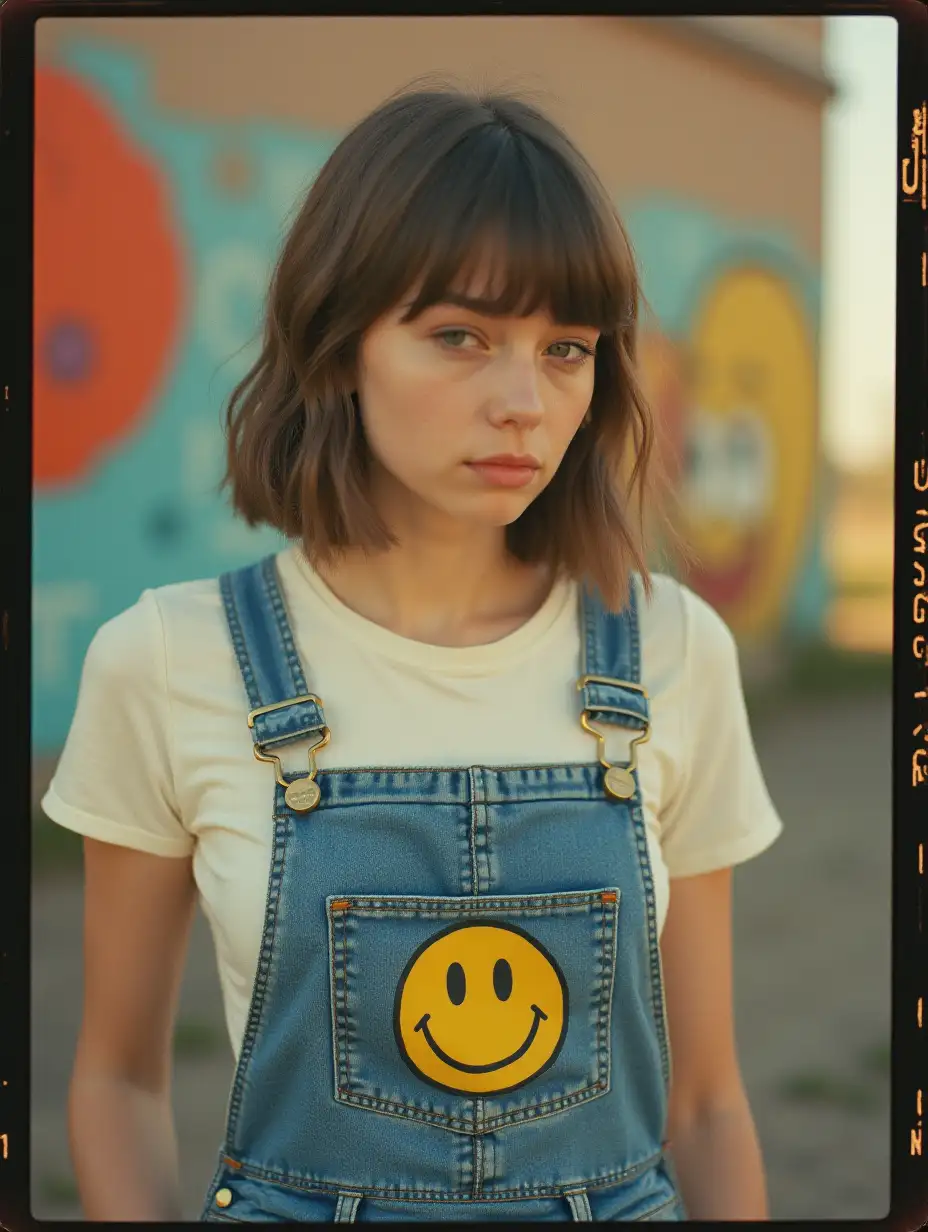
pixel 859 237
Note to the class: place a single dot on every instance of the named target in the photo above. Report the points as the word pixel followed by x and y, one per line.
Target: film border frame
pixel 909 1074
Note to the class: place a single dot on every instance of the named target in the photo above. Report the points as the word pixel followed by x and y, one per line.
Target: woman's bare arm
pixel 138 909
pixel 713 1140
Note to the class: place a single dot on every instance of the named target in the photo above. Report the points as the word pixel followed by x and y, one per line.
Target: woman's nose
pixel 517 398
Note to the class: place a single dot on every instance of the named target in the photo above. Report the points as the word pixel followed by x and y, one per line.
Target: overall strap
pixel 610 681
pixel 611 662
pixel 282 708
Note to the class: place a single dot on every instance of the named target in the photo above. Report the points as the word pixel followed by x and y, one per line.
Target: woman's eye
pixel 454 337
pixel 581 352
pixel 456 340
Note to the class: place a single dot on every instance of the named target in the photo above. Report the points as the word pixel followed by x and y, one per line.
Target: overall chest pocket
pixel 472 1013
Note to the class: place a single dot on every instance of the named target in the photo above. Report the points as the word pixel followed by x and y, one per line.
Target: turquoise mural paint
pixel 148 514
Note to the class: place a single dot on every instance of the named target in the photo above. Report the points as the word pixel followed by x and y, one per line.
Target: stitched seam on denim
pixel 600 1043
pixel 656 982
pixel 333 977
pixel 344 925
pixel 333 1010
pixel 462 850
pixel 546 1108
pixel 251 581
pixel 272 590
pixel 536 905
pixel 605 1181
pixel 609 980
pixel 474 880
pixel 644 859
pixel 413 801
pixel 483 849
pixel 542 1191
pixel 605 990
pixel 259 990
pixel 655 1210
pixel 233 621
pixel 404 1112
pixel 478 1164
pixel 264 958
pixel 411 1112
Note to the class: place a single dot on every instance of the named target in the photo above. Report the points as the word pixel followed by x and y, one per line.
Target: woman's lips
pixel 504 474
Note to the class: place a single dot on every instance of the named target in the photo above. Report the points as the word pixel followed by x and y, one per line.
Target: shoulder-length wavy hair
pixel 419 191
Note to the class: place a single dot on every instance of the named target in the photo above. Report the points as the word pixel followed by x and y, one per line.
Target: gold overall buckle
pixel 304 793
pixel 618 781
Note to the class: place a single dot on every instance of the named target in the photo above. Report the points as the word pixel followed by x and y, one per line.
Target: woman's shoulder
pixel 678 627
pixel 135 636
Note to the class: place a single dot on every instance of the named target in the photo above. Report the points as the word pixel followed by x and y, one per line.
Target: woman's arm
pixel 138 909
pixel 713 1141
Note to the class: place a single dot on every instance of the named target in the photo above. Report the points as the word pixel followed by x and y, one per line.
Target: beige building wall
pixel 723 112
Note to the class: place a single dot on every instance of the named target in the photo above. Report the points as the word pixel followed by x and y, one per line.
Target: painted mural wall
pixel 154 239
pixel 731 368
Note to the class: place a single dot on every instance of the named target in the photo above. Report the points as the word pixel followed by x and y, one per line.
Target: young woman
pixel 451 901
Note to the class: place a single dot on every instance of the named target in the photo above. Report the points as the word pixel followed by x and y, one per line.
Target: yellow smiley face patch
pixel 480 1009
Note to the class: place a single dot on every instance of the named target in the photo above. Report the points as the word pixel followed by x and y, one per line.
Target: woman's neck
pixel 444 590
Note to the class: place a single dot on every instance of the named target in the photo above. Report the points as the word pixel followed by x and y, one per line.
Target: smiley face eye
pixel 502 979
pixel 457 984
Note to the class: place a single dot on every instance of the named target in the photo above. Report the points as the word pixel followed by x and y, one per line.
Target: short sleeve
pixel 718 812
pixel 113 781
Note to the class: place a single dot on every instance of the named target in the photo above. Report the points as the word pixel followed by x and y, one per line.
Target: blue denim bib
pixel 457 1012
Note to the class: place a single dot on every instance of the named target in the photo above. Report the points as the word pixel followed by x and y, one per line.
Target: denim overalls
pixel 457 1012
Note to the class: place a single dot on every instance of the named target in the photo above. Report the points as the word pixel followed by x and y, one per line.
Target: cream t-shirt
pixel 160 758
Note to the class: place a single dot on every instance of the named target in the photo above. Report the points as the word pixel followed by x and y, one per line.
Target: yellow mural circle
pixel 751 433
pixel 480 1009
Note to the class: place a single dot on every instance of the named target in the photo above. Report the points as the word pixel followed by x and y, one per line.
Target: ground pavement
pixel 813 984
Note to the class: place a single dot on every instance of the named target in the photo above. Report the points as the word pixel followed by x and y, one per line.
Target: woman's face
pixel 446 398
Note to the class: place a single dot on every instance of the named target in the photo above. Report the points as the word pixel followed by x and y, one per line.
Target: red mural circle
pixel 108 281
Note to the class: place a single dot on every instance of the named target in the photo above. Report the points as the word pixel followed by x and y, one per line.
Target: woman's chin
pixel 498 508
pixel 493 513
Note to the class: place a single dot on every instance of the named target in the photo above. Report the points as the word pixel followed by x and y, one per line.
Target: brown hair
pixel 418 191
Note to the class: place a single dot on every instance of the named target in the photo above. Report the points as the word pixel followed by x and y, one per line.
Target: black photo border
pixel 909 1078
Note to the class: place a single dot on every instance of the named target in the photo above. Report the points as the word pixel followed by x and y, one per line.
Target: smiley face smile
pixel 474 986
pixel 423 1026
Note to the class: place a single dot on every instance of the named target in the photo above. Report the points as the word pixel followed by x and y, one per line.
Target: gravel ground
pixel 812 985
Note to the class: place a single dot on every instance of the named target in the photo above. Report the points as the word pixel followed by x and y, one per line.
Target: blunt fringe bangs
pixel 425 191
